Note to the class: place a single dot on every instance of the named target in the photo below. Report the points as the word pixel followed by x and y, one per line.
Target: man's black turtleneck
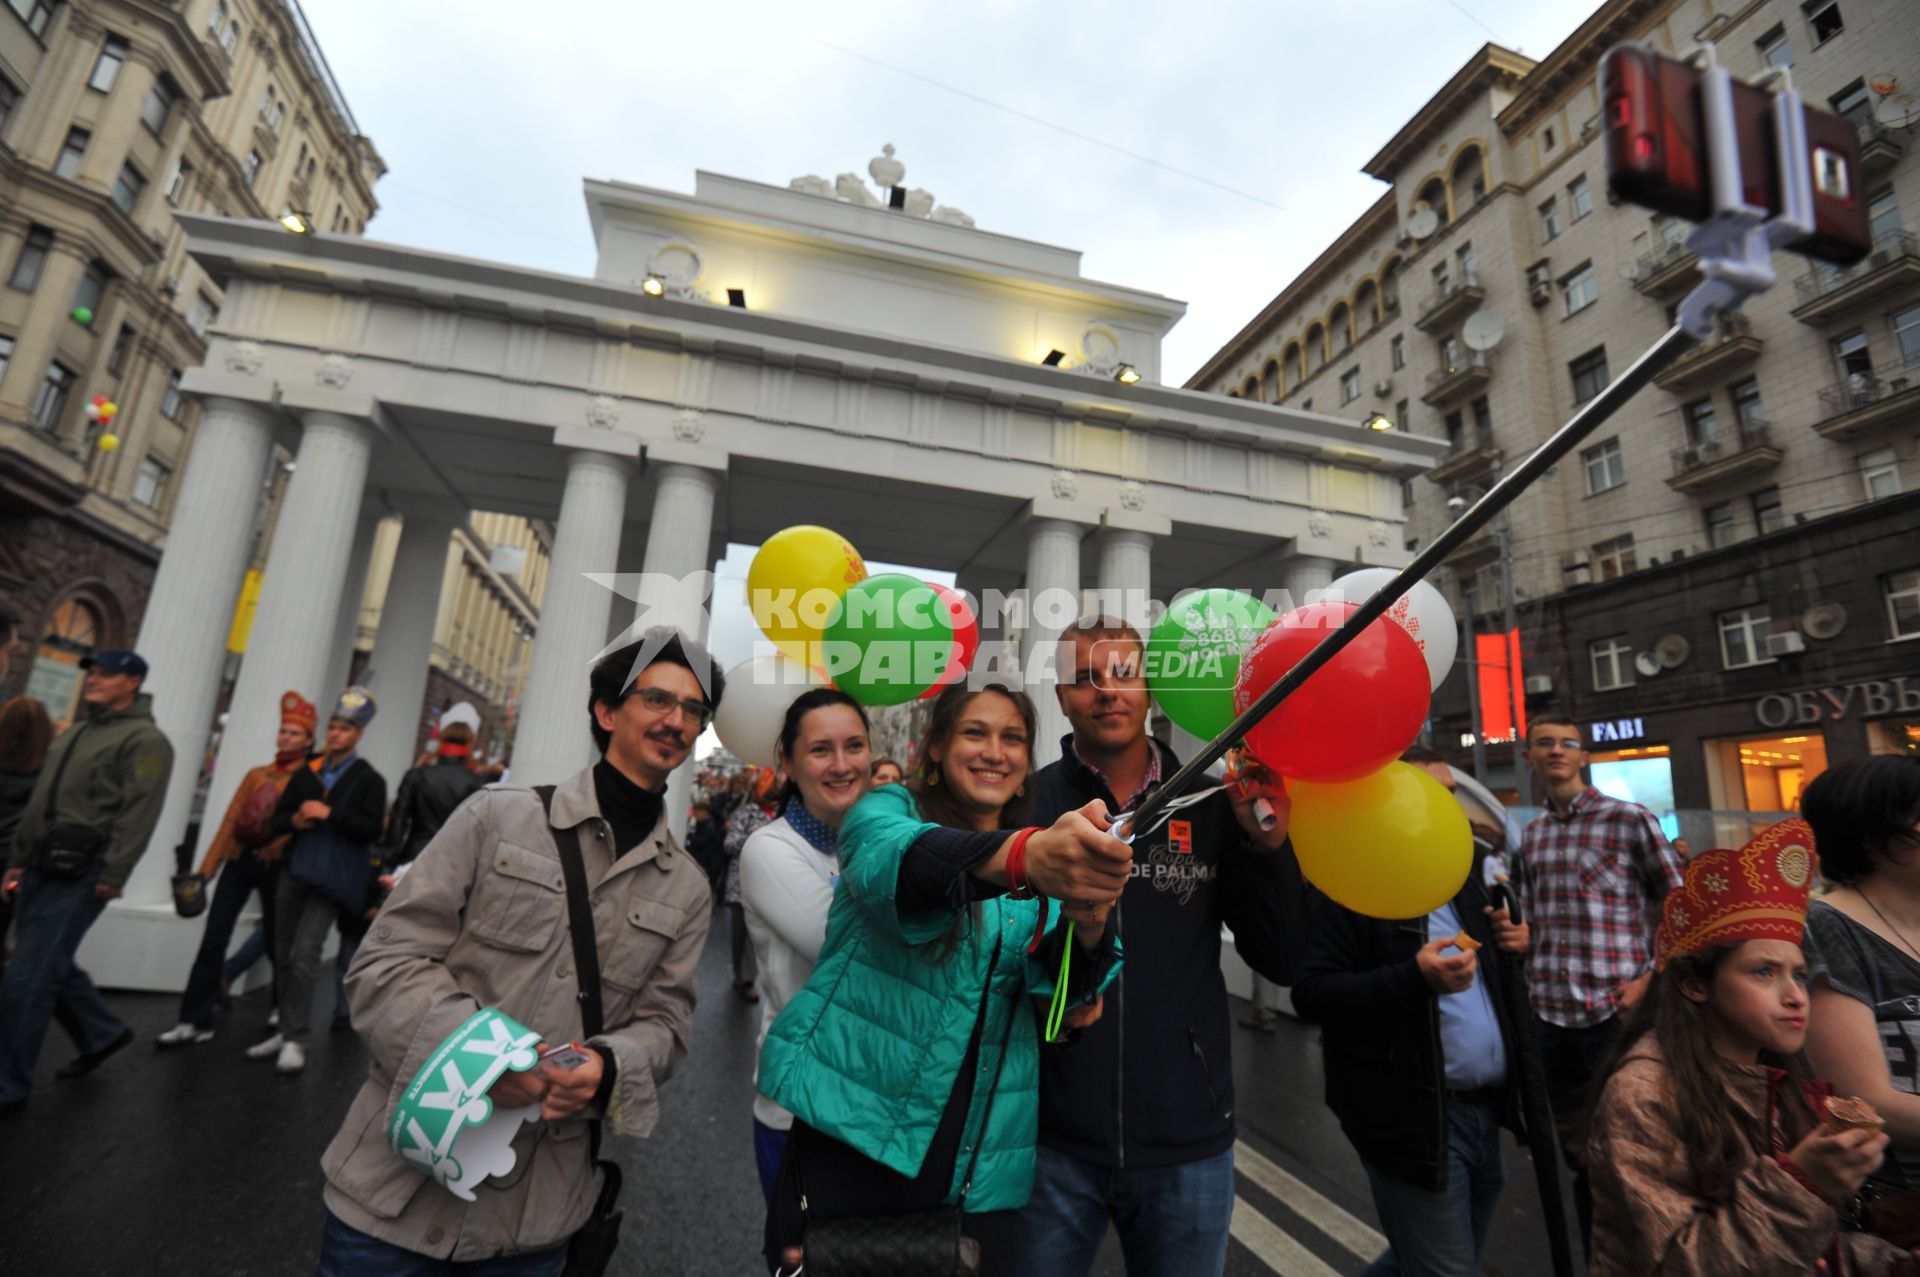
pixel 633 811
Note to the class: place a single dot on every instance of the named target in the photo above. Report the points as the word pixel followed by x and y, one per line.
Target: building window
pixel 201 315
pixel 1615 557
pixel 170 402
pixel 1456 427
pixel 177 184
pixel 1747 407
pixel 1743 637
pixel 127 187
pixel 1550 219
pixel 1767 514
pixel 1406 495
pixel 51 401
pixel 106 68
pixel 72 153
pixel 1581 289
pixel 1853 357
pixel 1349 385
pixel 1774 49
pixel 1548 139
pixel 217 18
pixel 1853 104
pixel 1579 197
pixel 251 169
pixel 230 37
pixel 1903 604
pixel 93 287
pixel 159 103
pixel 1612 661
pixel 1906 334
pixel 1401 417
pixel 1880 474
pixel 9 97
pixel 33 257
pixel 122 344
pixel 1823 18
pixel 35 13
pixel 1398 349
pixel 1482 421
pixel 1720 525
pixel 150 485
pixel 1589 374
pixel 6 354
pixel 1703 424
pixel 1605 466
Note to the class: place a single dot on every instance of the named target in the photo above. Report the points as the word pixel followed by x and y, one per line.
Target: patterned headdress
pixel 1756 893
pixel 296 710
pixel 356 705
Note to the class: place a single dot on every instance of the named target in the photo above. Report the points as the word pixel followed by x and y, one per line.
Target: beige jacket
pixel 481 921
pixel 1648 1221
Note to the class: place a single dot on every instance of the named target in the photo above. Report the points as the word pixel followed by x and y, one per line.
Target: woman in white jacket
pixel 788 870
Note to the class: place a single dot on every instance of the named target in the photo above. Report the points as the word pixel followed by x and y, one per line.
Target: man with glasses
pixel 481 921
pixel 1592 873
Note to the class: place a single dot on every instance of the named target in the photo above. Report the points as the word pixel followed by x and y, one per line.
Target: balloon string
pixel 1058 1010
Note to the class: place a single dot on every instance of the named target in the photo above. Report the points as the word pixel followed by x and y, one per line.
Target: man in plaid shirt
pixel 1593 872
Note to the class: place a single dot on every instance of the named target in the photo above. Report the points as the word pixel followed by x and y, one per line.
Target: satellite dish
pixel 1897 111
pixel 1672 651
pixel 1422 222
pixel 1483 330
pixel 1824 620
pixel 1630 271
pixel 1648 664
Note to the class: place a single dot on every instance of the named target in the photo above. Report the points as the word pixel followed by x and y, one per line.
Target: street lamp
pixel 653 286
pixel 1381 421
pixel 1127 375
pixel 299 221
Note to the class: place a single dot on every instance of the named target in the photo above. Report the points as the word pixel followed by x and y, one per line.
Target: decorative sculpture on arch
pixel 335 371
pixel 1377 532
pixel 246 358
pixel 1066 485
pixel 1133 495
pixel 1319 525
pixel 603 412
pixel 887 173
pixel 689 425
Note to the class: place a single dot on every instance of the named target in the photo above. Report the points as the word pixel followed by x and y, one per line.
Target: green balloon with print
pixel 1193 656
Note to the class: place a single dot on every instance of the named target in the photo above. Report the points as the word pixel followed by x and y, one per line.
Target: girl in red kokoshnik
pixel 1707 1146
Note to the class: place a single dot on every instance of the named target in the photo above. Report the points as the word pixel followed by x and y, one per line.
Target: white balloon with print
pixel 755 705
pixel 1422 612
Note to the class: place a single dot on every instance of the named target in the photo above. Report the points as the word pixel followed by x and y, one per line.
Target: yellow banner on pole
pixel 243 611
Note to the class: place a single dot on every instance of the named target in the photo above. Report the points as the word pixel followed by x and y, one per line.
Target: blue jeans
pixel 769 1150
pixel 51 917
pixel 345 1251
pixel 238 880
pixel 1440 1234
pixel 251 950
pixel 1172 1220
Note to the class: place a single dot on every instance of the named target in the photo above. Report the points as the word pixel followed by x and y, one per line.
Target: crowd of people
pixel 993 1023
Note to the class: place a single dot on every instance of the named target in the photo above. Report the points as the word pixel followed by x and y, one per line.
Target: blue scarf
pixel 819 836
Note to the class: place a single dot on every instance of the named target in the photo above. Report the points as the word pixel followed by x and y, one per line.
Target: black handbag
pixel 189 889
pixel 922 1242
pixel 591 1248
pixel 67 850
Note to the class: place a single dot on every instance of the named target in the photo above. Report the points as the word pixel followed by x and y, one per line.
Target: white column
pixel 300 599
pixel 1053 593
pixel 403 645
pixel 679 536
pixel 553 740
pixel 184 631
pixel 352 595
pixel 1125 579
pixel 1303 575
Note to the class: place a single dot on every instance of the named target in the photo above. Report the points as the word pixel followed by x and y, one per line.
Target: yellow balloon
pixel 797 576
pixel 107 442
pixel 1394 844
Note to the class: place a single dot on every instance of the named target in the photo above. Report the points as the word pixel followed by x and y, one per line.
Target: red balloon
pixel 1354 715
pixel 966 639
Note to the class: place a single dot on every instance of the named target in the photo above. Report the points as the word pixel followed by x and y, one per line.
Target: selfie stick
pixel 1736 262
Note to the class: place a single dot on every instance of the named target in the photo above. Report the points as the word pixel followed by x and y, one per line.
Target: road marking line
pixel 1352 1234
pixel 1272 1246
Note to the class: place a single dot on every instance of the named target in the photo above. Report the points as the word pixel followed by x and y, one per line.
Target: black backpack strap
pixel 60 772
pixel 586 947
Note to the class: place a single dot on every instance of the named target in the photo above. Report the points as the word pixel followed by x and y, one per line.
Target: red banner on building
pixel 1500 678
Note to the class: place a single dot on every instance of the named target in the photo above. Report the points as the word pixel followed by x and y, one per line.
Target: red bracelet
pixel 1017 885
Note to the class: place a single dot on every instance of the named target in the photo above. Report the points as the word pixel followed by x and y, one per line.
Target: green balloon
pixel 82 315
pixel 888 639
pixel 1193 656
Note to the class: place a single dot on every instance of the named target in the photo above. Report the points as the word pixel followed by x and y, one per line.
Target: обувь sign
pixel 1872 697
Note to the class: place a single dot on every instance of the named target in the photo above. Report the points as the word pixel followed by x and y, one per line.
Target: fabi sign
pixel 1617 729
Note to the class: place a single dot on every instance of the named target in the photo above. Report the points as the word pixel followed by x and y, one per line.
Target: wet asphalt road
pixel 201 1162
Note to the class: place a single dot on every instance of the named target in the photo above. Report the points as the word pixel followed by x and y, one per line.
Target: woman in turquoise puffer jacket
pixel 890 1057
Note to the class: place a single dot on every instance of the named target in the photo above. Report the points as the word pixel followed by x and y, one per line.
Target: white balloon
pixel 755 705
pixel 1422 612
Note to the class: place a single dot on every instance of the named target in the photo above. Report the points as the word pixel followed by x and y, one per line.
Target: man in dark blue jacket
pixel 1421 1066
pixel 1136 1118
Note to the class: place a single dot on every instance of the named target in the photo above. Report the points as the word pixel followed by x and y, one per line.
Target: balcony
pixel 1474 459
pixel 1666 272
pixel 1867 401
pixel 1469 371
pixel 1879 147
pixel 1451 303
pixel 1732 348
pixel 1827 292
pixel 1712 462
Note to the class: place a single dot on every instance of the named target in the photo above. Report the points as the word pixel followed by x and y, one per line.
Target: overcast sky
pixel 490 114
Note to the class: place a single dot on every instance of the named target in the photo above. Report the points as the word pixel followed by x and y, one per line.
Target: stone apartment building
pixel 1740 531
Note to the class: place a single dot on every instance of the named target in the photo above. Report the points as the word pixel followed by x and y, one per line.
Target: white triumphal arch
pixel 744 358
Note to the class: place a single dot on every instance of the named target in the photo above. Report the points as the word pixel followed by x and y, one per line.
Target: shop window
pixel 1638 774
pixel 1611 660
pixel 1743 637
pixel 1894 736
pixel 72 634
pixel 1605 466
pixel 1764 775
pixel 1903 604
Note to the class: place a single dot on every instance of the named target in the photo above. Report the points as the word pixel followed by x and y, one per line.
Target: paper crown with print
pixel 1756 893
pixel 356 705
pixel 297 711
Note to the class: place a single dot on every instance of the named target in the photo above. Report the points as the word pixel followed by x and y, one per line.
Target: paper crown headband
pixel 1756 893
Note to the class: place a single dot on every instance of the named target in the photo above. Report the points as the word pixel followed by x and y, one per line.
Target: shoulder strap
pixel 60 771
pixel 986 1111
pixel 586 945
